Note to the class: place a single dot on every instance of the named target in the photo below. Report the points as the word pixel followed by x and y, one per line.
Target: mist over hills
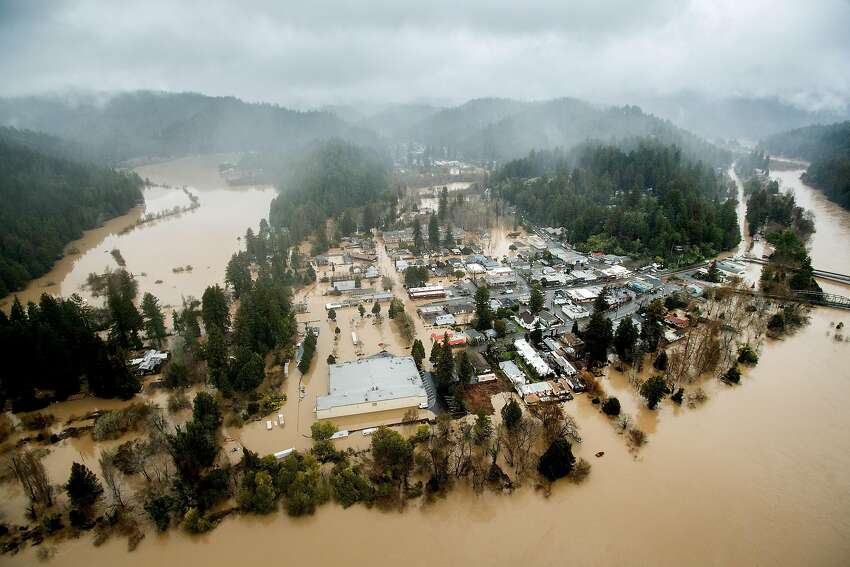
pixel 747 119
pixel 154 124
pixel 147 124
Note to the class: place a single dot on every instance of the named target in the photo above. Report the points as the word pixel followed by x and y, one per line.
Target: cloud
pixel 312 53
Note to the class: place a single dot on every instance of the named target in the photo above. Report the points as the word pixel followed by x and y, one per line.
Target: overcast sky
pixel 309 52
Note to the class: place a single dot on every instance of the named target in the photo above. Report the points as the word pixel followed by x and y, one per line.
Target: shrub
pixel 678 396
pixel 746 355
pixel 511 414
pixel 36 421
pixel 733 375
pixel 557 461
pixel 159 511
pixel 196 523
pixel 52 523
pixel 116 423
pixel 611 407
pixel 350 486
pixel 660 362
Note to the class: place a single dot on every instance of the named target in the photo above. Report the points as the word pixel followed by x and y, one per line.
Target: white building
pixel 532 358
pixel 376 383
pixel 513 372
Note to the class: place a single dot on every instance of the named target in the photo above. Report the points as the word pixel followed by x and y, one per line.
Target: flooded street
pixel 756 475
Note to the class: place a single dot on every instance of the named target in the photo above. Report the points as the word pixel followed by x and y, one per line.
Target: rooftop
pixel 376 378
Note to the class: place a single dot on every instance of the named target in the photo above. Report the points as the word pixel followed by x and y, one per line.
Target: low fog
pixel 310 54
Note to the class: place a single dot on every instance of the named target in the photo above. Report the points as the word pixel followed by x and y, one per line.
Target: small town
pixel 384 283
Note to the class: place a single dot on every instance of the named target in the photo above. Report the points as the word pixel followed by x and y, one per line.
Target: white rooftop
pixel 372 379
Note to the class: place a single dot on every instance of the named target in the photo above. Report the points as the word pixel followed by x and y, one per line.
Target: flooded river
pixel 756 475
pixel 203 238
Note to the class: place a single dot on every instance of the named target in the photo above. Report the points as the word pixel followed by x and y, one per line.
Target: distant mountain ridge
pixel 146 124
pixel 153 124
pixel 501 129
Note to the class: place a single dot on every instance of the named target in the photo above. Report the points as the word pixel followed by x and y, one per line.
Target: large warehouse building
pixel 376 383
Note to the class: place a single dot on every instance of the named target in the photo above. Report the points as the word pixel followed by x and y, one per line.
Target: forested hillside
pixel 326 180
pixel 828 150
pixel 49 201
pixel 152 124
pixel 649 201
pixel 500 129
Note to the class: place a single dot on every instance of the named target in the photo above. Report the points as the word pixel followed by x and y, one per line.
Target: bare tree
pixel 519 442
pixel 112 478
pixel 33 478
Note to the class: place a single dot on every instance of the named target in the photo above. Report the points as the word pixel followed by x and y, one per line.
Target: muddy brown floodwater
pixel 203 238
pixel 757 475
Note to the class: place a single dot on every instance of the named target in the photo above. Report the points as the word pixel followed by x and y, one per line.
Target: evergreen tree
pixel 154 319
pixel 215 309
pixel 449 240
pixel 483 313
pixel 433 233
pixel 443 204
pixel 511 414
pixel 557 461
pixel 625 339
pixel 418 241
pixel 83 488
pixel 537 300
pixel 445 367
pixel 597 337
pixel 417 351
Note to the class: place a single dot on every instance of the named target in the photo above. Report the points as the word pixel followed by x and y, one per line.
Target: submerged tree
pixel 154 319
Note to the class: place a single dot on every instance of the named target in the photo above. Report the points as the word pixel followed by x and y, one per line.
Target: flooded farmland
pixel 756 475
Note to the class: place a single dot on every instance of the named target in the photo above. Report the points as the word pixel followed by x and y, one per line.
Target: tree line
pixel 329 181
pixel 48 202
pixel 645 202
pixel 828 150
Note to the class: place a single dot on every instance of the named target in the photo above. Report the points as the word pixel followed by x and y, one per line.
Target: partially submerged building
pixel 149 362
pixel 376 383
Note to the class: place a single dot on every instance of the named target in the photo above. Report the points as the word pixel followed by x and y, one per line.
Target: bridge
pixel 820 274
pixel 810 297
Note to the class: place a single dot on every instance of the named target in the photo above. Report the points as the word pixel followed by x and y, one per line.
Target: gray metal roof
pixel 372 379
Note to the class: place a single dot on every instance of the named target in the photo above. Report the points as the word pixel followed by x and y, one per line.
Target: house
pixel 149 362
pixel 445 319
pixel 345 286
pixel 574 312
pixel 483 370
pixel 474 337
pixel 532 358
pixel 527 320
pixel 536 242
pixel 678 322
pixel 513 372
pixel 458 339
pixel 376 383
pixel 563 365
pixel 427 292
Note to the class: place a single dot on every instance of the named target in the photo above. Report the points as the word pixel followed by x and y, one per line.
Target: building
pixel 513 373
pixel 345 286
pixel 445 319
pixel 584 295
pixel 427 292
pixel 149 363
pixel 532 358
pixel 376 383
pixel 454 339
pixel 574 312
pixel 537 242
pixel 527 320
